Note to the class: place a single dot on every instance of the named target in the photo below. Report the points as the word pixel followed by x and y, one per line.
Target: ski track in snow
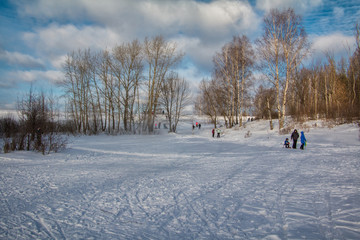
pixel 186 186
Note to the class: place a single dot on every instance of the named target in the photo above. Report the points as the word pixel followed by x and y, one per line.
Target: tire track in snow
pixel 203 219
pixel 204 212
pixel 132 154
pixel 253 198
pixel 4 197
pixel 40 224
pixel 287 186
pixel 269 196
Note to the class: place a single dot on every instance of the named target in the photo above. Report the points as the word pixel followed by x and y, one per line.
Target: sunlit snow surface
pixel 186 186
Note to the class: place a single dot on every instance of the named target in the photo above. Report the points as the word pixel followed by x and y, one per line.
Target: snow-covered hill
pixel 187 186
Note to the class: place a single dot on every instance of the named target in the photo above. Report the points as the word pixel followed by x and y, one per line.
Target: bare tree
pixel 77 87
pixel 160 56
pixel 38 127
pixel 223 72
pixel 282 47
pixel 175 96
pixel 127 66
pixel 70 85
pixel 314 83
pixel 264 104
pixel 233 66
pixel 104 87
pixel 212 98
pixel 243 56
pixel 354 73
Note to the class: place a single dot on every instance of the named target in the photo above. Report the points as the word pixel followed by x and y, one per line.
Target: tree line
pixel 226 94
pixel 325 90
pixel 123 89
pixel 118 91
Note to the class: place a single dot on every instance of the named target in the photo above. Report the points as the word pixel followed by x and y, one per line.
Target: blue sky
pixel 36 35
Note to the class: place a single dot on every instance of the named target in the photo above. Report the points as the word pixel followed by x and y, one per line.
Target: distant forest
pixel 329 89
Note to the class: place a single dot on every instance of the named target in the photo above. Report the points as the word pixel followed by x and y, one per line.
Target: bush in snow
pixel 35 129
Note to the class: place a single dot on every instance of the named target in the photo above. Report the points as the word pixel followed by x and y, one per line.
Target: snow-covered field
pixel 186 186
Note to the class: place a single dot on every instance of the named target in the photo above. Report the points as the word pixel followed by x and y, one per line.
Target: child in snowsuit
pixel 287 143
pixel 294 137
pixel 218 132
pixel 303 141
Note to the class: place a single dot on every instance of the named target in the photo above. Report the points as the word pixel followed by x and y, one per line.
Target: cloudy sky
pixel 36 35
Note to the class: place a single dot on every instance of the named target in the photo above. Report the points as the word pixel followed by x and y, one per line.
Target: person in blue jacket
pixel 303 140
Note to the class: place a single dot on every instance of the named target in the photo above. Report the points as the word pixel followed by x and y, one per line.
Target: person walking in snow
pixel 303 140
pixel 218 132
pixel 294 137
pixel 213 132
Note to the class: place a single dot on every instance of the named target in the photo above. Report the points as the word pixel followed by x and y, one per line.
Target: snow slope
pixel 186 186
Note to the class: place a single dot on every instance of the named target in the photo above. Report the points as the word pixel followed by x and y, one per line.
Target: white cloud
pixel 204 26
pixel 51 76
pixel 199 28
pixel 21 60
pixel 56 40
pixel 53 42
pixel 49 9
pixel 201 53
pixel 300 6
pixel 58 62
pixel 336 43
pixel 137 19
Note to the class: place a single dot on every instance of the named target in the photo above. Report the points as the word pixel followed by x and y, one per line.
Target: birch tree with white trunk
pixel 281 49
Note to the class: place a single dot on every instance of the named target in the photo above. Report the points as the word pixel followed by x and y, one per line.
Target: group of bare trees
pixel 281 49
pixel 225 95
pixel 175 97
pixel 329 89
pixel 119 91
pixel 37 127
